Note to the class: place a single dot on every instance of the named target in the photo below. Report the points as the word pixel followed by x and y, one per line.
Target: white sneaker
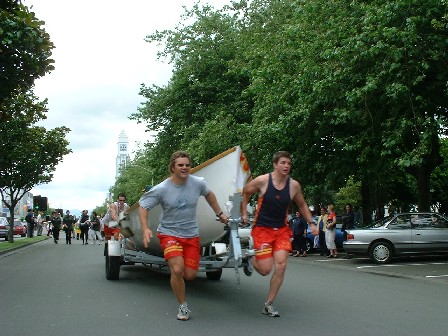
pixel 184 312
pixel 270 310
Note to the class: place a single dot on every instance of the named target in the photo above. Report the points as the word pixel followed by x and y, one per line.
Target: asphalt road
pixel 50 289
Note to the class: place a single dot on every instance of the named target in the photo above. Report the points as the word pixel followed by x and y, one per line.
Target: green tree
pixel 30 153
pixel 350 88
pixel 439 180
pixel 351 193
pixel 360 82
pixel 25 48
pixel 202 108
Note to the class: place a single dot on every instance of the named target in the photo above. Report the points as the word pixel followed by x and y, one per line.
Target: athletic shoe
pixel 270 310
pixel 184 312
pixel 249 268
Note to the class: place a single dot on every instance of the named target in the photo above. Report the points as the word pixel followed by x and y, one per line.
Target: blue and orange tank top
pixel 273 206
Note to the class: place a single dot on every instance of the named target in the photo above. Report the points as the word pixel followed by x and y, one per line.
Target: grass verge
pixel 7 246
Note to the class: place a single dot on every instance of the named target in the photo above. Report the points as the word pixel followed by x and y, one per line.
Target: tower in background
pixel 123 153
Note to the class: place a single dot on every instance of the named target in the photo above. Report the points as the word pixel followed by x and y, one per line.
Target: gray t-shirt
pixel 179 203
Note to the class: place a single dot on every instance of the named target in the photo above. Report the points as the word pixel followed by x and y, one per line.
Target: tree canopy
pixel 25 48
pixel 356 91
pixel 29 153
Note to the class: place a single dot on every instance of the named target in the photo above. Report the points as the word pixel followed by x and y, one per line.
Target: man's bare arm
pixel 143 215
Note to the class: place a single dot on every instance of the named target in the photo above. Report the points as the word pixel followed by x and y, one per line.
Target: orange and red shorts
pixel 267 240
pixel 109 232
pixel 188 248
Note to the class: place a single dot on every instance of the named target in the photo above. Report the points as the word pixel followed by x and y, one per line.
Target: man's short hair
pixel 276 157
pixel 175 156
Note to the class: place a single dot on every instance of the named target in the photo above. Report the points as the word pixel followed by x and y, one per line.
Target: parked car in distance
pixel 3 228
pixel 20 228
pixel 400 234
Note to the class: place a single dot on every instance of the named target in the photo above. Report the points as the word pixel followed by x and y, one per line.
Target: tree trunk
pixel 11 222
pixel 423 174
pixel 424 189
pixel 443 208
pixel 366 206
pixel 11 206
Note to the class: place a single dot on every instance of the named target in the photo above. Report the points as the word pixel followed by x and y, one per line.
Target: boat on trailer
pixel 223 246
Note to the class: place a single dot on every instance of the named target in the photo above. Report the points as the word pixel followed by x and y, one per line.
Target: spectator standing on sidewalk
pixel 348 223
pixel 322 224
pixel 330 233
pixel 29 218
pixel 299 229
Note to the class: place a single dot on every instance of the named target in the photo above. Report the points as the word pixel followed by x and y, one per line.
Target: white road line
pixel 402 265
pixel 437 276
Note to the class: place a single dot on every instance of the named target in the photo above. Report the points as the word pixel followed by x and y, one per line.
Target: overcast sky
pixel 101 59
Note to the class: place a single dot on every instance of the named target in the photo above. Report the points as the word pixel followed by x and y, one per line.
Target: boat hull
pixel 225 174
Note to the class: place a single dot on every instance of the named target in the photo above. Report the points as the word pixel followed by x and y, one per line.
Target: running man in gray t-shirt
pixel 178 230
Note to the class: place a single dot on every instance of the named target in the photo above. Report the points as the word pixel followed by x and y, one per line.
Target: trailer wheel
pixel 214 275
pixel 113 264
pixel 113 267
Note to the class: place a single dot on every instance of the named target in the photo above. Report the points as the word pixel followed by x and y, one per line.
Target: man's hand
pixel 147 235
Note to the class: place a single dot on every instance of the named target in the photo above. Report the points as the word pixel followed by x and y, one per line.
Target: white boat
pixel 225 174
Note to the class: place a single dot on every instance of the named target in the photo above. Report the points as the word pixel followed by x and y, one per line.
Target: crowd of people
pixel 88 227
pixel 325 238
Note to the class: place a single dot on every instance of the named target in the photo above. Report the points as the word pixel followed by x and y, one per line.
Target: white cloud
pixel 101 59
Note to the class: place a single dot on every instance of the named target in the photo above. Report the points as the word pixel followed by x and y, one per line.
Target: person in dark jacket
pixel 299 228
pixel 56 223
pixel 84 225
pixel 67 223
pixel 348 223
pixel 29 218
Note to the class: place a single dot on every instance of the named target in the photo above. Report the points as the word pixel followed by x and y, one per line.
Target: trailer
pixel 228 246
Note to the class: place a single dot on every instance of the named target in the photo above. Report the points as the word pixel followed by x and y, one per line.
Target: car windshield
pixel 381 222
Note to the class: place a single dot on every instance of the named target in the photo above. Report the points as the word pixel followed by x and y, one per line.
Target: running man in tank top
pixel 270 232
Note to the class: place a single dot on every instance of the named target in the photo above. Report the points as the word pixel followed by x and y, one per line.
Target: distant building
pixel 123 157
pixel 21 208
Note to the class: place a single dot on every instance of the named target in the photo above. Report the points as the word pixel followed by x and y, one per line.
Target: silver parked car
pixel 400 234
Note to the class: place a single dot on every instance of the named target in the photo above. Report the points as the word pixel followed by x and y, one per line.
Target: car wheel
pixel 309 246
pixel 381 252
